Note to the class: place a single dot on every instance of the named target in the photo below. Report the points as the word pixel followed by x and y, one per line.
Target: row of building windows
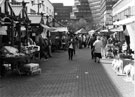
pixel 98 5
pixel 122 15
pixel 84 11
pixel 60 14
pixel 94 3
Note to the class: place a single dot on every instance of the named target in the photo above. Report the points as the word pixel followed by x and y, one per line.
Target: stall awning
pixel 118 29
pixel 104 30
pixel 82 30
pixel 60 29
pixel 98 29
pixel 48 28
pixel 91 32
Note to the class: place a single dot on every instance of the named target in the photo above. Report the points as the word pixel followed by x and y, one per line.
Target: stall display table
pixel 16 63
pixel 126 62
pixel 121 67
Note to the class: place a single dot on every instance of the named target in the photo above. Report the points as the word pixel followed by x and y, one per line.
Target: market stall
pixel 128 55
pixel 59 38
pixel 17 51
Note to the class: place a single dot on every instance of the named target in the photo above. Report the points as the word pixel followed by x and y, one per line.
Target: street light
pixel 38 4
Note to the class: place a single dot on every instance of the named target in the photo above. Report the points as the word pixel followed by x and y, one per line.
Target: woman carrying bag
pixel 71 47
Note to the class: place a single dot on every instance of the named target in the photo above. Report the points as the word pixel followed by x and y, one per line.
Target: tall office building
pixel 62 13
pixel 81 9
pixel 106 12
pixel 95 10
pixel 102 11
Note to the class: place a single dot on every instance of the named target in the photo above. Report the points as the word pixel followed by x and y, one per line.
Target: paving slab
pixel 61 77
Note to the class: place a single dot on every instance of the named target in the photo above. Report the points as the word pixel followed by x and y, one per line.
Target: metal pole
pixel 12 33
pixel 0 10
pixel 19 33
pixel 5 5
pixel 38 7
pixel 53 22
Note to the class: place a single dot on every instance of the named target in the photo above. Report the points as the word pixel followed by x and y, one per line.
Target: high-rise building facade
pixel 62 13
pixel 123 10
pixel 81 9
pixel 95 10
pixel 106 12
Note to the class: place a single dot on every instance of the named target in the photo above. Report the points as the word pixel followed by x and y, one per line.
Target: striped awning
pixel 17 9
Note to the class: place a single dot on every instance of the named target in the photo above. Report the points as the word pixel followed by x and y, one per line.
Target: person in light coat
pixel 97 49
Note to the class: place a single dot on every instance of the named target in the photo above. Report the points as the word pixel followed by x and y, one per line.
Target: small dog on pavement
pixel 129 71
pixel 113 63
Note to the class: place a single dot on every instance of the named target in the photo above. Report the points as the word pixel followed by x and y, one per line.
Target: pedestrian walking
pixel 92 40
pixel 40 42
pixel 71 47
pixel 97 49
pixel 104 41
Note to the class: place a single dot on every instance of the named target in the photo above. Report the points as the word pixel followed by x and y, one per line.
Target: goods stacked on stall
pixel 13 52
pixel 9 51
pixel 123 57
pixel 123 63
pixel 124 67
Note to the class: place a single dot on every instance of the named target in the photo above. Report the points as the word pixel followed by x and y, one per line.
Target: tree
pixel 75 25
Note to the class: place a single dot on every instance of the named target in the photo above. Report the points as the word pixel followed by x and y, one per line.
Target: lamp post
pixel 38 4
pixel 54 20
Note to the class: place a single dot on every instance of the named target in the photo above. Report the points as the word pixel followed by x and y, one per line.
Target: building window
pixel 43 7
pixel 32 11
pixel 47 9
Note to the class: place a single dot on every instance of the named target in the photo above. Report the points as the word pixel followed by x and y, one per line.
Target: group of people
pixel 96 48
pixel 45 47
pixel 101 46
pixel 96 43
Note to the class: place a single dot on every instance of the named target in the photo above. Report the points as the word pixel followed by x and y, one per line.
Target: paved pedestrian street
pixel 61 77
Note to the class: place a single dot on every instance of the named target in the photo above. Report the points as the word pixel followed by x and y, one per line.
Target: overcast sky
pixel 65 2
